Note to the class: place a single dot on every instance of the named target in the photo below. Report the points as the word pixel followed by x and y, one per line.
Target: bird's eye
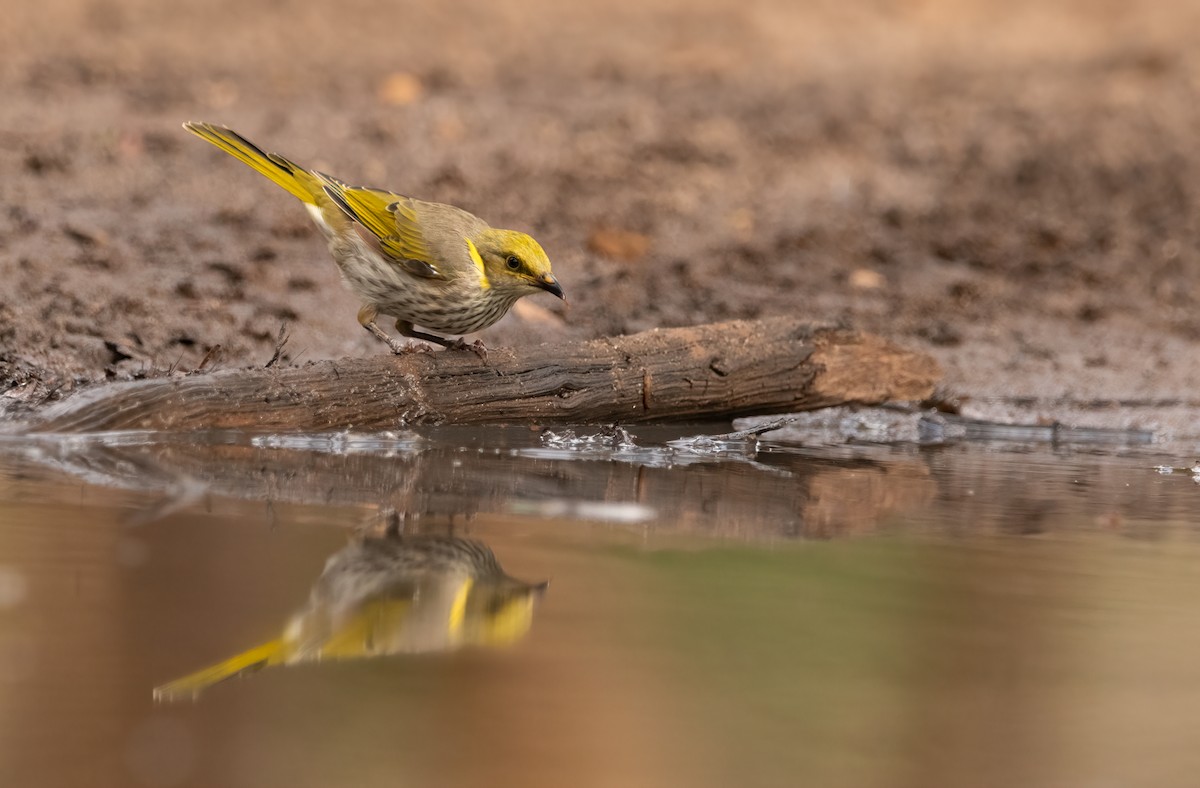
pixel 513 263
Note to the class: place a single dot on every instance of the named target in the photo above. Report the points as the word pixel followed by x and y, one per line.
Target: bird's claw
pixel 477 347
pixel 405 348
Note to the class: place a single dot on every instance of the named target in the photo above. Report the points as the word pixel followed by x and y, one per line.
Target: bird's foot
pixel 477 347
pixel 403 348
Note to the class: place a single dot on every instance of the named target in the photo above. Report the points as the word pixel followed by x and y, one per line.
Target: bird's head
pixel 500 612
pixel 514 262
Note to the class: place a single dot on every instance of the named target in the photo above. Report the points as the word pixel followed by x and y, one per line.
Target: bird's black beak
pixel 548 283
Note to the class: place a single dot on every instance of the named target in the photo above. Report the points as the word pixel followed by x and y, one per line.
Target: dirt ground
pixel 1013 186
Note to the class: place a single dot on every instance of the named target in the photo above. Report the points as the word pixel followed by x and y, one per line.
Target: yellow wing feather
pixel 390 217
pixel 406 234
pixel 369 207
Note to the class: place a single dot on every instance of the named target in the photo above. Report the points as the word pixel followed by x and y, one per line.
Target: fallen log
pixel 712 371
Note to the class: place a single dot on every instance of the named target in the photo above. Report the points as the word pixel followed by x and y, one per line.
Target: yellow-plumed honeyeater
pixel 424 263
pixel 386 596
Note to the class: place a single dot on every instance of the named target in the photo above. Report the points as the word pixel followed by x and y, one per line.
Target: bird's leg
pixel 366 318
pixel 406 329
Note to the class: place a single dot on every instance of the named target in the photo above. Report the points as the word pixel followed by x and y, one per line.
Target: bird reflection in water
pixel 392 594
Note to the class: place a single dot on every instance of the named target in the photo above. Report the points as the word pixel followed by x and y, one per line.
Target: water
pixel 719 612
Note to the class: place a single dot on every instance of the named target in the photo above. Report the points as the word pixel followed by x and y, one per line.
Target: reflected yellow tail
pixel 269 653
pixel 297 180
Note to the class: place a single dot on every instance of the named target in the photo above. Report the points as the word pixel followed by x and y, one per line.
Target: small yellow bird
pixel 424 263
pixel 389 595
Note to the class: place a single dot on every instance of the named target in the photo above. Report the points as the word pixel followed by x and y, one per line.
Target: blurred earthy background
pixel 1012 186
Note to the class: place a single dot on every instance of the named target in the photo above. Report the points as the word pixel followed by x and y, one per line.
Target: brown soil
pixel 1013 186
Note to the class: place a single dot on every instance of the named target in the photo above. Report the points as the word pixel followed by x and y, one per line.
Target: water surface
pixel 717 614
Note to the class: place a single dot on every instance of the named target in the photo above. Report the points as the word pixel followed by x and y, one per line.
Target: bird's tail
pixel 297 180
pixel 269 653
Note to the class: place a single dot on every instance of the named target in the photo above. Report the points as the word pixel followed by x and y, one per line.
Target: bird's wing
pixel 390 218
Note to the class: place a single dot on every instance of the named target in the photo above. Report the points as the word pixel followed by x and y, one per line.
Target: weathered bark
pixel 719 370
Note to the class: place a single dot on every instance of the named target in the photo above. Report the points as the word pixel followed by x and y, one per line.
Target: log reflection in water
pixel 744 495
